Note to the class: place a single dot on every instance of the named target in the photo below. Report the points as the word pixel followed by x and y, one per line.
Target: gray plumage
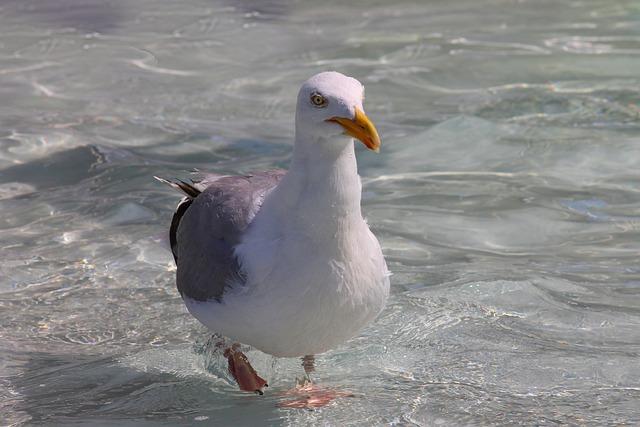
pixel 208 224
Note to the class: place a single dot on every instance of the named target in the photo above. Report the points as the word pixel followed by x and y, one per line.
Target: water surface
pixel 506 197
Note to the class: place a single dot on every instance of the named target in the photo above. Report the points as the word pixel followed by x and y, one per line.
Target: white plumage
pixel 311 273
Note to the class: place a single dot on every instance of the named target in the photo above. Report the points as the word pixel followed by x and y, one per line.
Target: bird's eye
pixel 318 100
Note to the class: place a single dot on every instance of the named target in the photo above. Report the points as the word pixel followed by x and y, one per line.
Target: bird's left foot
pixel 242 371
pixel 307 395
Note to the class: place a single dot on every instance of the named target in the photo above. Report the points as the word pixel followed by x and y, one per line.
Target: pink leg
pixel 242 371
pixel 307 395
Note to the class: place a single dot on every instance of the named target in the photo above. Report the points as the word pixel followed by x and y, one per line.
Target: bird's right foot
pixel 242 371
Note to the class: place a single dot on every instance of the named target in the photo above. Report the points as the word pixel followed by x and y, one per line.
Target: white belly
pixel 299 300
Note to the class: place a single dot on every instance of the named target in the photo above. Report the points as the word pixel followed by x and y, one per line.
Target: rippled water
pixel 506 196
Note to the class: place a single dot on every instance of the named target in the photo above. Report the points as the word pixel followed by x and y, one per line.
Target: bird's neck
pixel 322 188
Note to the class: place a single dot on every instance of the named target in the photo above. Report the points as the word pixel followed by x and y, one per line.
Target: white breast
pixel 302 297
pixel 315 274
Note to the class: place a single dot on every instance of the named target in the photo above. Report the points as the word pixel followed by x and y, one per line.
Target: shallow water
pixel 506 198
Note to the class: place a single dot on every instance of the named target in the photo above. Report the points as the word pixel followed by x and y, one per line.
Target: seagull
pixel 283 261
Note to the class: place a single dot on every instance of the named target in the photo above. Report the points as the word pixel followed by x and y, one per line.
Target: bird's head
pixel 330 106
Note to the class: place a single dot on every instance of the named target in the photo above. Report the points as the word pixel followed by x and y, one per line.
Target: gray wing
pixel 208 224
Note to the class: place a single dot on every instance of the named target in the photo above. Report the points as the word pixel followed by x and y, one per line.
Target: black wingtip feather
pixel 175 222
pixel 191 192
pixel 188 189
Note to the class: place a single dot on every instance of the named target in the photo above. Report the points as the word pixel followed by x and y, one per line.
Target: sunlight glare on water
pixel 506 197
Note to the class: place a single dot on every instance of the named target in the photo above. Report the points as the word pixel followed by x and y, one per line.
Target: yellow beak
pixel 360 127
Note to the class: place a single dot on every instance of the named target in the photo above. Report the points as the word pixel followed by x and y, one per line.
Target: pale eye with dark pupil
pixel 318 100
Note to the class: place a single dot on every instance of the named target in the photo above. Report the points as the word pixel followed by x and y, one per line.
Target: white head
pixel 330 111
